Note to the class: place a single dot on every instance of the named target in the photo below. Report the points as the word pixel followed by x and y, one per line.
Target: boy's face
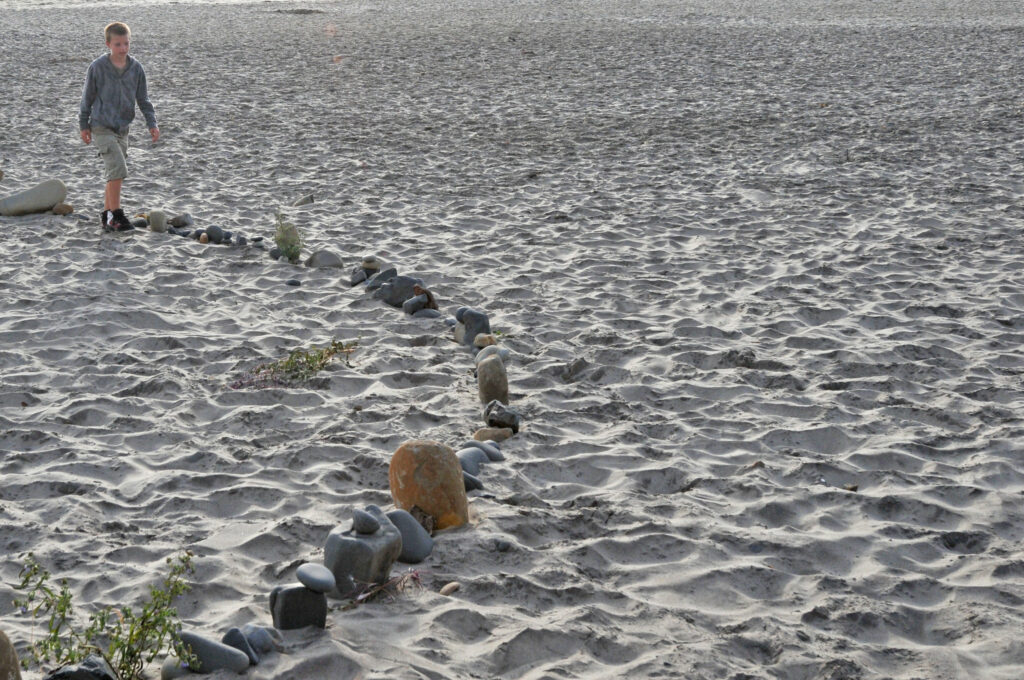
pixel 118 45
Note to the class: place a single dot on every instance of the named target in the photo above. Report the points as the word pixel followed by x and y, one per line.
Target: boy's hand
pixel 87 136
pixel 154 133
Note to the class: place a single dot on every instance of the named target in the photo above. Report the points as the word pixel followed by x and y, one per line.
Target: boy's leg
pixel 112 195
pixel 113 148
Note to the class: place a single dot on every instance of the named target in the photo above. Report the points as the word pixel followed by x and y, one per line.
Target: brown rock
pixel 427 474
pixel 450 588
pixel 484 339
pixel 10 669
pixel 62 209
pixel 498 434
pixel 203 238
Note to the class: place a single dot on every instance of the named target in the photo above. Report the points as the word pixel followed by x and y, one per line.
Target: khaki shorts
pixel 113 149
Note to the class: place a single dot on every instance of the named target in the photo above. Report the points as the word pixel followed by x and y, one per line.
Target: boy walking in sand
pixel 114 84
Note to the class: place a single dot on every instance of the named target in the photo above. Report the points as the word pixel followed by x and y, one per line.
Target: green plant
pixel 287 238
pixel 298 366
pixel 127 639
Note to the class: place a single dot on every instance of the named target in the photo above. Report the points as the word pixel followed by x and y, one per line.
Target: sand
pixel 759 264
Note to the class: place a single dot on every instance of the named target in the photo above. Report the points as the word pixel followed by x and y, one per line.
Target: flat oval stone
pixel 364 523
pixel 316 577
pixel 293 282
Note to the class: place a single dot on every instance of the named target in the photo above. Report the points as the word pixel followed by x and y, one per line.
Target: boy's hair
pixel 115 28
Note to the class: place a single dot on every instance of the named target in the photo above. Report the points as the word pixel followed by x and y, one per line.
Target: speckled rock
pixel 427 475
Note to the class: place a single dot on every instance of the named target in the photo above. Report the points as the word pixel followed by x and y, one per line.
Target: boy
pixel 114 83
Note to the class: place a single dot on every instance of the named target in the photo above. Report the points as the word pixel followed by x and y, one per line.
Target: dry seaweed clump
pixel 299 366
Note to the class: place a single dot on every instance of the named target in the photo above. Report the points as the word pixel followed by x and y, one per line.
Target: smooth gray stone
pixel 415 304
pixel 274 253
pixel 470 459
pixel 236 638
pixel 140 222
pixel 305 200
pixel 488 447
pixel 492 380
pixel 324 258
pixel 497 414
pixel 215 234
pixel 380 278
pixel 293 282
pixel 450 322
pixel 212 655
pixel 358 276
pixel 182 221
pixel 170 669
pixel 503 352
pixel 427 314
pixel 416 542
pixel 10 667
pixel 157 221
pixel 241 240
pixel 316 577
pixel 359 559
pixel 297 607
pixel 471 482
pixel 475 323
pixel 364 523
pixel 398 290
pixel 40 198
pixel 460 314
pixel 92 667
pixel 262 639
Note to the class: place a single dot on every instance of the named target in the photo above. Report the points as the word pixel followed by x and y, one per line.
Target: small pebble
pixel 501 545
pixel 203 238
pixel 450 588
pixel 296 282
pixel 63 209
pixel 364 523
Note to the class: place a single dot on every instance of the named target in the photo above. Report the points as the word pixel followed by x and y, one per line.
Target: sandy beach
pixel 759 265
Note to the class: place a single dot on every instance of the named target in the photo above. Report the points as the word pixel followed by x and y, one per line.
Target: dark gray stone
pixel 471 482
pixel 262 639
pixel 215 234
pixel 178 232
pixel 140 223
pixel 212 655
pixel 274 253
pixel 198 233
pixel 471 458
pixel 364 523
pixel 359 559
pixel 236 638
pixel 460 314
pixel 501 545
pixel 241 240
pixel 182 221
pixel 92 667
pixel 316 577
pixel 488 447
pixel 427 314
pixel 475 323
pixel 416 542
pixel 415 304
pixel 380 278
pixel 293 282
pixel 358 276
pixel 497 414
pixel 398 290
pixel 297 607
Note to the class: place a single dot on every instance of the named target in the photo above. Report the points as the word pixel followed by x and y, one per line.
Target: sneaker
pixel 103 218
pixel 117 221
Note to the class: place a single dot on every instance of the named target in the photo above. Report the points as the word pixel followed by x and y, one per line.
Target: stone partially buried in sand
pixel 427 474
pixel 158 221
pixel 492 380
pixel 40 198
pixel 498 434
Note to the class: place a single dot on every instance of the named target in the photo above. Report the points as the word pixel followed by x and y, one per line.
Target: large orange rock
pixel 427 474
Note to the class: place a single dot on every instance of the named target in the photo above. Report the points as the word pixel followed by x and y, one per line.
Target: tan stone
pixel 427 474
pixel 492 380
pixel 10 669
pixel 203 238
pixel 484 339
pixel 498 434
pixel 63 209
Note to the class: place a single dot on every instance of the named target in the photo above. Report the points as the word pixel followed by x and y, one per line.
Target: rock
pixel 470 459
pixel 501 545
pixel 475 323
pixel 262 639
pixel 416 541
pixel 359 559
pixel 323 258
pixel 305 200
pixel 212 655
pixel 397 290
pixel 415 304
pixel 157 221
pixel 10 667
pixel 491 350
pixel 358 276
pixel 471 482
pixel 241 240
pixel 171 668
pixel 364 523
pixel 427 314
pixel 297 607
pixel 424 519
pixel 236 638
pixel 215 234
pixel 497 414
pixel 274 253
pixel 498 434
pixel 380 278
pixel 427 474
pixel 316 577
pixel 459 331
pixel 204 238
pixel 484 340
pixel 370 265
pixel 40 198
pixel 182 221
pixel 489 448
pixel 492 380
pixel 450 588
pixel 293 282
pixel 179 232
pixel 60 209
pixel 92 667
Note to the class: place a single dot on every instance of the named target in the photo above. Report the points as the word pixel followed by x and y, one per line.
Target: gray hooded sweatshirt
pixel 109 96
